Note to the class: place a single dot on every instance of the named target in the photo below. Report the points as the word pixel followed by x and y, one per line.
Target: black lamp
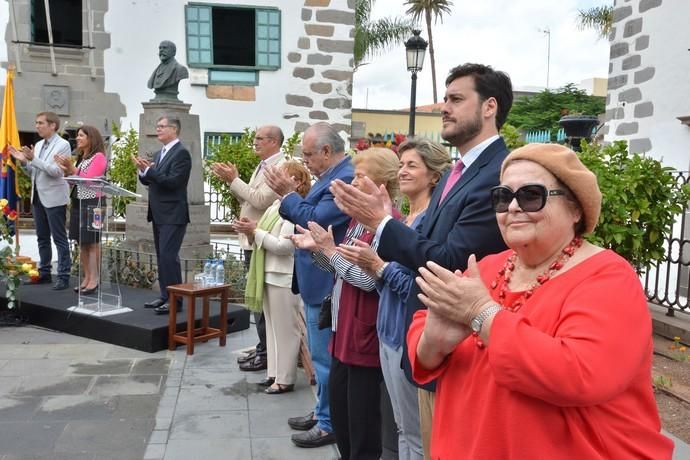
pixel 416 49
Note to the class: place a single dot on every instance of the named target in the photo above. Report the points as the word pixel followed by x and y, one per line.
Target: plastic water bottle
pixel 207 270
pixel 220 272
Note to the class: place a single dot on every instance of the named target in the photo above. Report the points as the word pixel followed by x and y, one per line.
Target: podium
pixel 107 299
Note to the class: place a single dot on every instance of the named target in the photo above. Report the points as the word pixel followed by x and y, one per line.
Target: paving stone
pixel 159 437
pixel 284 449
pixel 222 425
pixel 136 406
pixel 213 377
pixel 271 423
pixel 54 385
pixel 23 351
pixel 79 407
pixel 227 449
pixel 103 367
pixel 199 399
pixel 135 385
pixel 22 439
pixel 8 385
pixel 17 408
pixel 126 437
pixel 154 452
pixel 151 366
pixel 49 454
pixel 78 351
pixel 116 352
pixel 35 367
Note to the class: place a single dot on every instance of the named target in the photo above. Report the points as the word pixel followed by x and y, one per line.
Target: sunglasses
pixel 530 197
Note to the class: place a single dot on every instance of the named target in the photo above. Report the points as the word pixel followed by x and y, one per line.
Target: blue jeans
pixel 318 348
pixel 51 221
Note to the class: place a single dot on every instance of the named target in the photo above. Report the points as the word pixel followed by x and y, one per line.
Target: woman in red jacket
pixel 544 350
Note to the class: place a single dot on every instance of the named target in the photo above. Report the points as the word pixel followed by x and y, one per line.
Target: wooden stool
pixel 190 292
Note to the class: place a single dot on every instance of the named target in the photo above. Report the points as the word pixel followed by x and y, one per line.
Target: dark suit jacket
pixel 167 182
pixel 313 283
pixel 462 224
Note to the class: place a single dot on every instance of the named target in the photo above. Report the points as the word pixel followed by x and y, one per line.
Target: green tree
pixel 544 109
pixel 429 9
pixel 376 36
pixel 599 18
pixel 122 170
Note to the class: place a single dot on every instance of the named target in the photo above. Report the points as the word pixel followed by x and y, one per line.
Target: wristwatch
pixel 379 272
pixel 478 321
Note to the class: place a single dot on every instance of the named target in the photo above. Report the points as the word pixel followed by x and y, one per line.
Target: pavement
pixel 64 397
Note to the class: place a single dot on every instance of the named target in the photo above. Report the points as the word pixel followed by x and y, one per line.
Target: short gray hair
pixel 172 121
pixel 327 135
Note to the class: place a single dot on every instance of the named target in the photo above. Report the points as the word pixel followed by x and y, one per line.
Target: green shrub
pixel 122 171
pixel 511 136
pixel 641 200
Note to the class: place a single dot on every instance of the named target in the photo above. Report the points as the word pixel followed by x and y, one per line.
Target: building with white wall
pixel 287 63
pixel 648 103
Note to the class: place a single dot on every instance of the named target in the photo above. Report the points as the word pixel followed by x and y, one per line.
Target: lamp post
pixel 416 48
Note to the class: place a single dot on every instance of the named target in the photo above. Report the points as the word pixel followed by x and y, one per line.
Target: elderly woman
pixel 422 163
pixel 355 374
pixel 544 350
pixel 269 282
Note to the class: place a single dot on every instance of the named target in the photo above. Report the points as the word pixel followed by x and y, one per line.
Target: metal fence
pixel 667 282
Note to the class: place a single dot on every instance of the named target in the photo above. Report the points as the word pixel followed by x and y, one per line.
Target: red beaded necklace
pixel 503 277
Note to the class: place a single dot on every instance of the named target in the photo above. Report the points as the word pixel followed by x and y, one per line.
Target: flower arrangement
pixel 378 140
pixel 10 267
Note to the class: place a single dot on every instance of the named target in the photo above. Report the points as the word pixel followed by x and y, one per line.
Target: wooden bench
pixel 190 292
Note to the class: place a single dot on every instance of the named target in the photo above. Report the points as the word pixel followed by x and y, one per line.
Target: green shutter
pixel 199 36
pixel 268 38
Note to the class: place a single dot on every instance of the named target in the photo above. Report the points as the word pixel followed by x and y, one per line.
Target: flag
pixel 9 135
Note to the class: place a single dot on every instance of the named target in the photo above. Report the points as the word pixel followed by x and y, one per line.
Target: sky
pixel 502 33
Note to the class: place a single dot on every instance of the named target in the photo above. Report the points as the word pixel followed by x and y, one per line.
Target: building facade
pixel 287 63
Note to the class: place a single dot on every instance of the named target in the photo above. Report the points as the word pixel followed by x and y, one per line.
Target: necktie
pixel 44 149
pixel 160 160
pixel 452 179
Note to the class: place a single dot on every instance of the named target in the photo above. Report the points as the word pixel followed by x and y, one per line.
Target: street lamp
pixel 416 48
pixel 546 31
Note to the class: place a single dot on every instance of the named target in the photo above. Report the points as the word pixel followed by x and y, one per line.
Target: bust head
pixel 166 50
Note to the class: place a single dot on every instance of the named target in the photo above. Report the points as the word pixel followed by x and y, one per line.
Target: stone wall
pixel 648 84
pixel 321 64
pixel 73 92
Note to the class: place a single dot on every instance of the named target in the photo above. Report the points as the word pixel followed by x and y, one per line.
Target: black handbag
pixel 325 315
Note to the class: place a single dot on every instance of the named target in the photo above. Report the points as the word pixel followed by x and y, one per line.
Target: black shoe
pixel 247 357
pixel 267 382
pixel 304 423
pixel 259 363
pixel 60 285
pixel 313 438
pixel 280 390
pixel 45 279
pixel 89 291
pixel 154 303
pixel 165 309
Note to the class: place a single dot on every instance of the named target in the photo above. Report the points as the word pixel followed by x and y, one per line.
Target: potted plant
pixel 578 127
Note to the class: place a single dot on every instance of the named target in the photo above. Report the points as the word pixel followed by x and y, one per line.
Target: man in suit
pixel 459 220
pixel 166 178
pixel 49 196
pixel 323 152
pixel 254 197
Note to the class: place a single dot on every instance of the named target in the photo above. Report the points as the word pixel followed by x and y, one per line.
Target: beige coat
pixel 279 260
pixel 254 197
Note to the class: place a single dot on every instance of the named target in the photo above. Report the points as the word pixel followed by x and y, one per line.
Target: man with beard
pixel 459 220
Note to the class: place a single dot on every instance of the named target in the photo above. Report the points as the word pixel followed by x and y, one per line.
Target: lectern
pixel 107 300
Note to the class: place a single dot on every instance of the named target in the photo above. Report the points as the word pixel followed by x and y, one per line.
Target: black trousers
pixel 168 240
pixel 259 318
pixel 355 397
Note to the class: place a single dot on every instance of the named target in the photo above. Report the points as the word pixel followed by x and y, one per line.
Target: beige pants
pixel 426 414
pixel 282 310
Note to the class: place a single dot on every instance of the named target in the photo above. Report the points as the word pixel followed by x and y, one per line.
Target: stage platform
pixel 140 328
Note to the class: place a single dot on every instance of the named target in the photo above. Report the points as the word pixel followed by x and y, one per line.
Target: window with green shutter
pixel 233 37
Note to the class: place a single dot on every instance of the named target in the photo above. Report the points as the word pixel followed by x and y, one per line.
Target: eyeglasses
pixel 530 197
pixel 162 126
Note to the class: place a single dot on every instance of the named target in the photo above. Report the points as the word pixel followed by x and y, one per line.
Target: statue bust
pixel 165 79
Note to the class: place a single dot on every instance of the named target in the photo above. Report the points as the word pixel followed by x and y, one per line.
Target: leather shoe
pixel 165 309
pixel 154 303
pixel 247 357
pixel 313 438
pixel 280 390
pixel 259 363
pixel 89 291
pixel 60 285
pixel 267 382
pixel 304 423
pixel 47 279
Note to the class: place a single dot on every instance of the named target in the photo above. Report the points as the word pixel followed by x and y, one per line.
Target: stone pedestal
pixel 139 234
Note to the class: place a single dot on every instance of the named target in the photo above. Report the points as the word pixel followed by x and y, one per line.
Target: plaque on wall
pixel 56 99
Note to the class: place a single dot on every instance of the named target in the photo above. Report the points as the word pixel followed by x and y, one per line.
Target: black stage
pixel 140 329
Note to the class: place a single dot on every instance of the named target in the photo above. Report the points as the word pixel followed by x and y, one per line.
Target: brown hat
pixel 567 167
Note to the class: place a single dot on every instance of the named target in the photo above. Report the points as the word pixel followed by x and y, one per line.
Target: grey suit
pixel 49 196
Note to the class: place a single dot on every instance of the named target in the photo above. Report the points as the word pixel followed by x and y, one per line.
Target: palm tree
pixel 375 36
pixel 429 9
pixel 599 18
